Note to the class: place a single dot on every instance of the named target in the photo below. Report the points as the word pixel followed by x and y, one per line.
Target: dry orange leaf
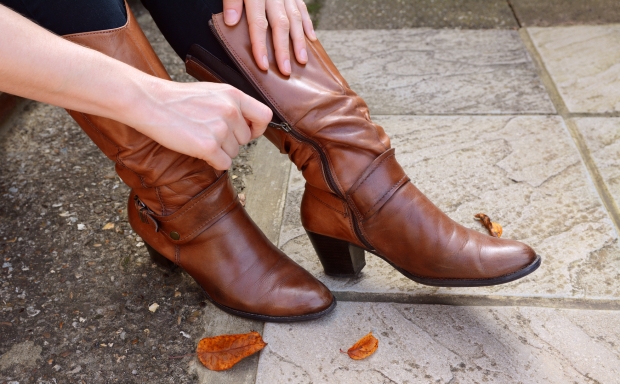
pixel 495 229
pixel 364 347
pixel 108 226
pixel 220 353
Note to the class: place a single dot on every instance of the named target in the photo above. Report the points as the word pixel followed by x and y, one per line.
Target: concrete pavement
pixel 523 125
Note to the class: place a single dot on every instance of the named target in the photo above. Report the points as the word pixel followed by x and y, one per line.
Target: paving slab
pixel 525 173
pixel 427 71
pixel 443 344
pixel 602 137
pixel 584 63
pixel 561 12
pixel 392 14
pixel 215 323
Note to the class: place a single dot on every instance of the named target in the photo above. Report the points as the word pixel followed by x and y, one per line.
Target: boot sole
pixel 272 319
pixel 163 262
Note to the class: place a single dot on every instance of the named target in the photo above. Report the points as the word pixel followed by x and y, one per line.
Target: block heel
pixel 160 260
pixel 338 257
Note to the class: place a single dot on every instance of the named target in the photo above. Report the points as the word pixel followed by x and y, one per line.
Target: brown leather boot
pixel 190 213
pixel 357 197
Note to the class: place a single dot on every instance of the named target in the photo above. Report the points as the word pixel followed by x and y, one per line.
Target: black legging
pixel 182 22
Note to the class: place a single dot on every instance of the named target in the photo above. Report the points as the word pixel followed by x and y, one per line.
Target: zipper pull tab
pixel 284 126
pixel 145 213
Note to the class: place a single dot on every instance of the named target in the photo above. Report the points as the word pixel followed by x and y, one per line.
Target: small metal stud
pixel 175 235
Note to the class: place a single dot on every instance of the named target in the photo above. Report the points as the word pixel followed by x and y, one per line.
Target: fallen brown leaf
pixel 12 240
pixel 108 226
pixel 364 347
pixel 495 229
pixel 220 353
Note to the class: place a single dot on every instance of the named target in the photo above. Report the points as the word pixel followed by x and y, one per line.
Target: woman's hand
pixel 204 120
pixel 289 19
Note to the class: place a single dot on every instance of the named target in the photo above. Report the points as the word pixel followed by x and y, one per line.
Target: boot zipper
pixel 331 183
pixel 145 213
pixel 286 127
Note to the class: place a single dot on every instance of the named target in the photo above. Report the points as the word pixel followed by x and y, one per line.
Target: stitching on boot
pixel 208 221
pixel 370 174
pixel 324 203
pixel 161 202
pixel 400 182
pixel 181 212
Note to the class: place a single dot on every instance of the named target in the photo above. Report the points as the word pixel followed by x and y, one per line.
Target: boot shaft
pixel 322 125
pixel 163 179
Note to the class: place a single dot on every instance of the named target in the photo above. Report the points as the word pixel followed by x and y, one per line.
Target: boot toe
pixel 507 257
pixel 303 297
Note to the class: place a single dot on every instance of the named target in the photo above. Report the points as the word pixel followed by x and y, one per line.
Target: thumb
pixel 257 113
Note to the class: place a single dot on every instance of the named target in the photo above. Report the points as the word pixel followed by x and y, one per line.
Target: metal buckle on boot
pixel 145 213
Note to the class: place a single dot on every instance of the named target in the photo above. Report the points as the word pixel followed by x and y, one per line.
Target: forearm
pixel 39 65
pixel 203 120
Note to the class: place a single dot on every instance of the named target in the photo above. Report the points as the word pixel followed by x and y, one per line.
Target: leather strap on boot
pixel 196 216
pixel 376 185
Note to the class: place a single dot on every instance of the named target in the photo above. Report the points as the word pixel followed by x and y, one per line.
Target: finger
pixel 219 159
pixel 230 146
pixel 242 132
pixel 257 24
pixel 232 11
pixel 280 26
pixel 297 31
pixel 257 113
pixel 306 20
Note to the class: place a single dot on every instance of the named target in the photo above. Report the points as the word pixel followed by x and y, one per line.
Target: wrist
pixel 139 102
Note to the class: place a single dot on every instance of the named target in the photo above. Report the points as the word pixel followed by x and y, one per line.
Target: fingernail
pixel 265 62
pixel 304 54
pixel 287 66
pixel 313 33
pixel 231 16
